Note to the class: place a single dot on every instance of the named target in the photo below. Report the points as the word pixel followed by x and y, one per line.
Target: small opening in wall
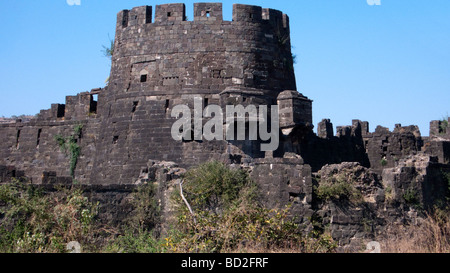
pixel 166 105
pixel 250 15
pixel 135 104
pixel 61 111
pixel 169 14
pixel 115 139
pixel 205 102
pixel 38 137
pixel 144 78
pixel 17 139
pixel 208 14
pixel 93 104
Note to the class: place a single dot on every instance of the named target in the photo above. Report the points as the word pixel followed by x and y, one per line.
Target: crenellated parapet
pixel 176 13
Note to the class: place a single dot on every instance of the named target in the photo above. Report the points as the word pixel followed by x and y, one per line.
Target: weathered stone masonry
pixel 165 61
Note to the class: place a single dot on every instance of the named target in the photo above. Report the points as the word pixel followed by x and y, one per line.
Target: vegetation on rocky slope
pixel 224 202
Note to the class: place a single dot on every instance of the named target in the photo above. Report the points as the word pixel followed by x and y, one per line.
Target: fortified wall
pixel 158 63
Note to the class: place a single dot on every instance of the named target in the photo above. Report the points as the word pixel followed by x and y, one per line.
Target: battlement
pixel 203 12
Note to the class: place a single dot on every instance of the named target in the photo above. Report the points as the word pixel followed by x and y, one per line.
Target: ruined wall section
pixel 386 148
pixel 354 143
pixel 438 143
pixel 325 148
pixel 29 149
pixel 440 129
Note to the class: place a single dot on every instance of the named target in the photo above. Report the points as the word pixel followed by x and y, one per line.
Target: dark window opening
pixel 208 14
pixel 166 105
pixel 61 111
pixel 38 137
pixel 205 102
pixel 250 15
pixel 169 14
pixel 115 139
pixel 144 78
pixel 135 104
pixel 125 19
pixel 93 104
pixel 17 139
pixel 13 173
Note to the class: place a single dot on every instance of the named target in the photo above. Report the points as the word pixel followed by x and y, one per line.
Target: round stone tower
pixel 163 62
pixel 171 55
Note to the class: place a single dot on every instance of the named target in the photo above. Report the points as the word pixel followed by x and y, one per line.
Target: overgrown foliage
pixel 338 187
pixel 443 125
pixel 411 197
pixel 230 219
pixel 35 222
pixel 224 202
pixel 69 145
pixel 140 232
pixel 108 51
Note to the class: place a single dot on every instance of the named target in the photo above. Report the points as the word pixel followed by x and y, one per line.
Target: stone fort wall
pixel 157 64
pixel 165 61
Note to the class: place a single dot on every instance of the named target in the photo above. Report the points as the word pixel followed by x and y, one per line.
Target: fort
pixel 124 129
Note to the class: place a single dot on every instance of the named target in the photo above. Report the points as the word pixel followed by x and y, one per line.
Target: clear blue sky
pixel 384 64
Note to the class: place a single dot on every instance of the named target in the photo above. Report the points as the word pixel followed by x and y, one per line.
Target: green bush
pixel 213 186
pixel 411 197
pixel 337 190
pixel 146 211
pixel 228 217
pixel 36 222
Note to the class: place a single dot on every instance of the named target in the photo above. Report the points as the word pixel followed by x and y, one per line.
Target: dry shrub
pixel 429 235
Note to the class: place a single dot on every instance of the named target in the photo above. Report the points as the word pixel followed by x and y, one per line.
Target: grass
pixel 432 235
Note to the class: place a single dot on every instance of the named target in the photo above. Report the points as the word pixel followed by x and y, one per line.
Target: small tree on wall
pixel 108 52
